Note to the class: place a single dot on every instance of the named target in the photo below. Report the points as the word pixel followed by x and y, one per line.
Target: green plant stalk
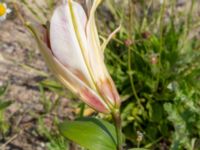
pixel 187 24
pixel 118 126
pixel 129 55
pixel 161 16
pixel 131 77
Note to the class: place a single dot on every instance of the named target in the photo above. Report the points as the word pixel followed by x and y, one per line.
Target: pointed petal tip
pixel 94 101
pixel 109 92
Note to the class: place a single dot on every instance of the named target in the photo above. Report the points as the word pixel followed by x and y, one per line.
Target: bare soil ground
pixel 18 57
pixel 15 46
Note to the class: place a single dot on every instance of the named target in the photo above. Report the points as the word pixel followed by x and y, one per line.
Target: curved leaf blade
pixel 90 133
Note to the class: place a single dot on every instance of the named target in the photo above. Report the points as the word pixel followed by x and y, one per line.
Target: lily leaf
pixel 90 133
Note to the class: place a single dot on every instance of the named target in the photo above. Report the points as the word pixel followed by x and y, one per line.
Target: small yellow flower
pixel 4 10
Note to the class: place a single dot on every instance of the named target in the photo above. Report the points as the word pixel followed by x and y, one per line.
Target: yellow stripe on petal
pixel 83 48
pixel 68 78
pixel 103 80
pixel 64 41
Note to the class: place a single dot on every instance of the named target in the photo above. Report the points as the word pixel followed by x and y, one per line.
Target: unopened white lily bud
pixel 73 51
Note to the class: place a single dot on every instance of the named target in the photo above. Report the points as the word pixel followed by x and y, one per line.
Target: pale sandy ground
pixel 20 52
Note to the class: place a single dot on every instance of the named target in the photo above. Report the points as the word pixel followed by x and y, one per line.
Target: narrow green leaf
pixel 3 90
pixel 90 133
pixel 51 84
pixel 4 105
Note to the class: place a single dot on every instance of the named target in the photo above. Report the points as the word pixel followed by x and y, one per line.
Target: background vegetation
pixel 154 61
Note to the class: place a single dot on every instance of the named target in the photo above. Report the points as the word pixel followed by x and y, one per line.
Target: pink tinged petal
pixel 109 92
pixel 93 100
pixel 64 43
pixel 68 79
pixel 80 53
pixel 102 78
pixel 89 96
pixel 82 39
pixel 78 87
pixel 95 53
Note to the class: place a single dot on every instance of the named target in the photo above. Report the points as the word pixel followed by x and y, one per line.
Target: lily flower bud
pixel 73 52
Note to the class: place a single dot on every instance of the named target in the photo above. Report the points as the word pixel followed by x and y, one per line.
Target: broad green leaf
pixel 109 128
pixel 90 133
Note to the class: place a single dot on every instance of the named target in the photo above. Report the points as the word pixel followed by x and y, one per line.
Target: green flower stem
pixel 117 121
pixel 161 25
pixel 131 78
pixel 130 71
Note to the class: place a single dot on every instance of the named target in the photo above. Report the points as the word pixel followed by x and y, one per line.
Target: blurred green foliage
pixel 154 62
pixel 4 124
